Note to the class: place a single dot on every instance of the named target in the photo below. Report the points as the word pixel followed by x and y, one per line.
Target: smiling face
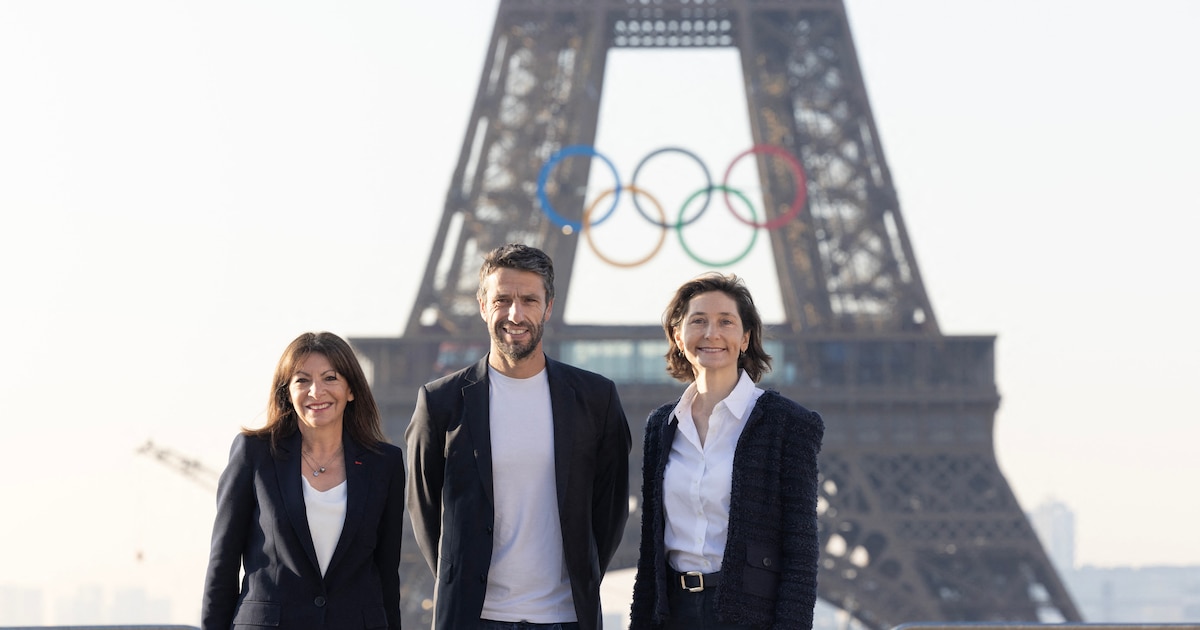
pixel 318 393
pixel 514 305
pixel 711 334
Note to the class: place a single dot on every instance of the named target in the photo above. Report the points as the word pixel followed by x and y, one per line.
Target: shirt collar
pixel 742 398
pixel 683 408
pixel 739 401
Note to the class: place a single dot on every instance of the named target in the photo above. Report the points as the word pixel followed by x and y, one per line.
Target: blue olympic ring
pixel 543 176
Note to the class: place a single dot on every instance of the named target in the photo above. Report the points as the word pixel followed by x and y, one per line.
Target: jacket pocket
pixel 445 572
pixel 763 567
pixel 257 614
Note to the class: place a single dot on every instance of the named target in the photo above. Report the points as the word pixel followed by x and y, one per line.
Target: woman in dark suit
pixel 729 478
pixel 311 505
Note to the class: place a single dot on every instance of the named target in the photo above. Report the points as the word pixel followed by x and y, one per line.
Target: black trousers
pixel 697 611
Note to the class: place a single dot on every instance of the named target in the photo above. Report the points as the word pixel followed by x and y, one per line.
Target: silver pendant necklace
pixel 317 470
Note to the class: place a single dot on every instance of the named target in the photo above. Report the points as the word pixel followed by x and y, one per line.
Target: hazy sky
pixel 186 186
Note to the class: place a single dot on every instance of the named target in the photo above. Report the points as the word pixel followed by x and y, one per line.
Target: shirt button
pixel 319 601
pixel 766 562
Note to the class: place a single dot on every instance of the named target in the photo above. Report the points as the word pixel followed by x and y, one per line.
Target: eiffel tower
pixel 917 523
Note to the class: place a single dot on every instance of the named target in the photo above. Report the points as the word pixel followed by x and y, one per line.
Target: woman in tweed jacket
pixel 729 478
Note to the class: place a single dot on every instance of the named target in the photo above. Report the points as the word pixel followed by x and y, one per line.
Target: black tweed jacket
pixel 769 569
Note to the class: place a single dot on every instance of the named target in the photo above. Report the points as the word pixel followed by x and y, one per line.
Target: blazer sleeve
pixel 610 489
pixel 426 475
pixel 235 514
pixel 797 593
pixel 390 535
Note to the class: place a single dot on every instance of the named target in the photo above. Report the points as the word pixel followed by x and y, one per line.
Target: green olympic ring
pixel 679 226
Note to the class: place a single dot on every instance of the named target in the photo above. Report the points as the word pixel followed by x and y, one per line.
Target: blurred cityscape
pixel 1155 594
pixel 1116 594
pixel 89 605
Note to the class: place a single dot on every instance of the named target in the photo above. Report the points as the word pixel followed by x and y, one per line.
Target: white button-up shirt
pixel 698 478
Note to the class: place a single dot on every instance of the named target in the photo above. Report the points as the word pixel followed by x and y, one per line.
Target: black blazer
pixel 769 567
pixel 450 495
pixel 262 524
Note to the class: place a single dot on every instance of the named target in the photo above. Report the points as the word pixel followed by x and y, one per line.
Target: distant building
pixel 86 606
pixel 1136 595
pixel 1054 523
pixel 135 606
pixel 20 606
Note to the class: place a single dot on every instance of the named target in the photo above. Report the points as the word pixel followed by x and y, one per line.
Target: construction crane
pixel 191 468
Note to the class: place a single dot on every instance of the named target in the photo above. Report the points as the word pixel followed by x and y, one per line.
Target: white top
pixel 326 514
pixel 697 481
pixel 528 578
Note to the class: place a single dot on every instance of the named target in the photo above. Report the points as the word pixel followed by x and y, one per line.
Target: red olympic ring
pixel 797 175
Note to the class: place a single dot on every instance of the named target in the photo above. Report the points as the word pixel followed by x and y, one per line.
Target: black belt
pixel 694 581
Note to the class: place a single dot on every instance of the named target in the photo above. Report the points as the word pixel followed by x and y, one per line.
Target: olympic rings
pixel 568 226
pixel 662 238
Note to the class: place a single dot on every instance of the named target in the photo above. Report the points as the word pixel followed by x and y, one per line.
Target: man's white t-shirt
pixel 528 578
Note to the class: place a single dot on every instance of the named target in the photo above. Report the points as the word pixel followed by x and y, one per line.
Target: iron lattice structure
pixel 917 522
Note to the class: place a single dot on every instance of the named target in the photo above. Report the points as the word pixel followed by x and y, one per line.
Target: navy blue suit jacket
pixel 261 524
pixel 450 496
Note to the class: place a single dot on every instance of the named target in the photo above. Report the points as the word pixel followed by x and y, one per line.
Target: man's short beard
pixel 514 351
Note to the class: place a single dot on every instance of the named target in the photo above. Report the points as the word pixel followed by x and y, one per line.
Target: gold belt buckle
pixel 692 589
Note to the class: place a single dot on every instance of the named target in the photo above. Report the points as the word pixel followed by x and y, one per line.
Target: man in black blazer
pixel 519 468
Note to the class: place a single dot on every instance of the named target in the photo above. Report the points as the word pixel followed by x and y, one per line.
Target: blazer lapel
pixel 358 488
pixel 477 421
pixel 668 438
pixel 562 397
pixel 287 473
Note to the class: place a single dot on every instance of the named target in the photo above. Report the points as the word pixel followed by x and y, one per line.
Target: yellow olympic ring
pixel 633 190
